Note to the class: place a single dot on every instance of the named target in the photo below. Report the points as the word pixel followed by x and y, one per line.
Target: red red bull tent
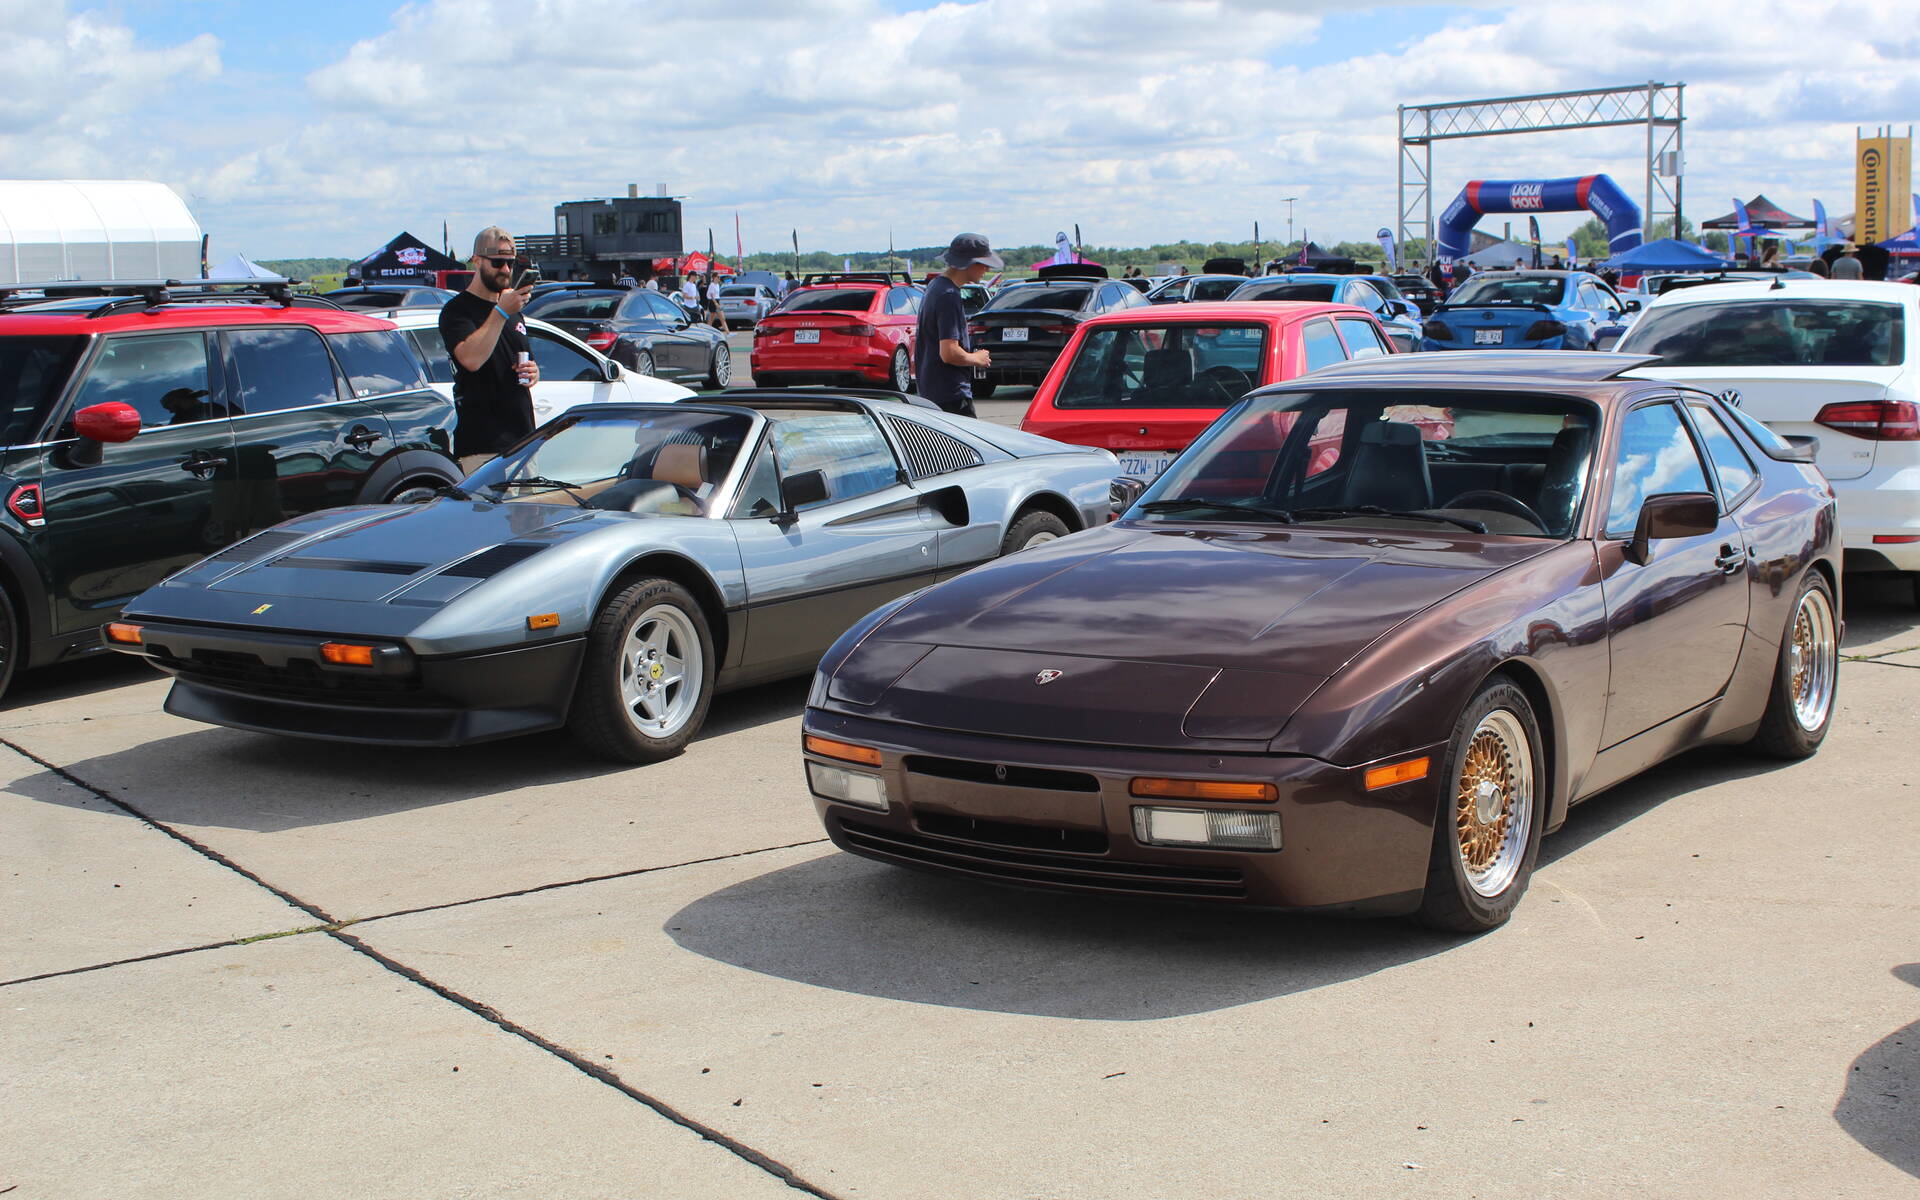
pixel 405 259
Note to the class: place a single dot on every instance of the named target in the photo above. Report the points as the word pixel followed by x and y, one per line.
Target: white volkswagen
pixel 1828 359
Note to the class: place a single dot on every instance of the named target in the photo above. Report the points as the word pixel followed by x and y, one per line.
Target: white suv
pixel 1830 359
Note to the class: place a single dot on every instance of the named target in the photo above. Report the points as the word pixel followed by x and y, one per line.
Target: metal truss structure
pixel 1661 107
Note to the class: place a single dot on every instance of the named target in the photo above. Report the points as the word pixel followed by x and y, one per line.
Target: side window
pixel 663 308
pixel 1113 296
pixel 846 447
pixel 1322 345
pixel 376 363
pixel 1655 457
pixel 280 369
pixel 760 493
pixel 559 362
pixel 1730 462
pixel 1364 295
pixel 433 352
pixel 897 302
pixel 1363 340
pixel 917 296
pixel 165 377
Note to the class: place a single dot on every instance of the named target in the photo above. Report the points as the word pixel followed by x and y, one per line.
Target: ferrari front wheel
pixel 646 677
pixel 1486 835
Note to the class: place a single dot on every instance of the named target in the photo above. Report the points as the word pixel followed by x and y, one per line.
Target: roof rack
pixel 886 277
pixel 130 295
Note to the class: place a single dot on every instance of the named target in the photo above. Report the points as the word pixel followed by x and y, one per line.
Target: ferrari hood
pixel 1155 635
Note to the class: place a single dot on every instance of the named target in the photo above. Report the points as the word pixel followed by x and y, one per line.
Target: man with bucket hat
pixel 944 358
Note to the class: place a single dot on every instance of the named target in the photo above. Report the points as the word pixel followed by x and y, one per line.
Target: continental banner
pixel 1882 179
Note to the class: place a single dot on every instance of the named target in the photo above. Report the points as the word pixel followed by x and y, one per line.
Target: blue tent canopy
pixel 1905 245
pixel 1666 254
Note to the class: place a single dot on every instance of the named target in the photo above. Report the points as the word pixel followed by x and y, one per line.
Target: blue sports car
pixel 1525 310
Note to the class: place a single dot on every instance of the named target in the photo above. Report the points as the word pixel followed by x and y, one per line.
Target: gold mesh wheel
pixel 1494 802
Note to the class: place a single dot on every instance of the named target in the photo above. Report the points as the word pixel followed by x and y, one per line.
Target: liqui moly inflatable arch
pixel 1596 193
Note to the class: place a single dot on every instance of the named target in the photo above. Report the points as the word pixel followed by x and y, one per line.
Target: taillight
pixel 859 331
pixel 24 503
pixel 601 339
pixel 976 330
pixel 1544 329
pixel 1057 330
pixel 1875 420
pixel 1436 331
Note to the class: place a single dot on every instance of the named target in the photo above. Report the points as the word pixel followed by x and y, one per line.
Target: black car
pixel 642 330
pixel 148 430
pixel 1419 289
pixel 1026 325
pixel 377 296
pixel 1182 289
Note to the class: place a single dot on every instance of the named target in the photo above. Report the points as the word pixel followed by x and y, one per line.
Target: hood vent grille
pixel 257 545
pixel 367 566
pixel 489 563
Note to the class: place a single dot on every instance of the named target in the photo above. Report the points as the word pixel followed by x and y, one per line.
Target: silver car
pixel 743 304
pixel 609 574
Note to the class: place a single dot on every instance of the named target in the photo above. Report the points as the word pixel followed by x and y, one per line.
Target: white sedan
pixel 571 372
pixel 1826 359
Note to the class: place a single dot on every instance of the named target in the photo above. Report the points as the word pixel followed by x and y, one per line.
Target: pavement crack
pixel 771 1166
pixel 568 883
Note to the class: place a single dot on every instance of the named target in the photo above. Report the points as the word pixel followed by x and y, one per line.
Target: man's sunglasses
pixel 501 264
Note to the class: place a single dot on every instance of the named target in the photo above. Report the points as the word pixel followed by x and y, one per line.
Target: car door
pixel 677 351
pixel 567 376
pixel 815 572
pixel 1320 345
pixel 147 508
pixel 1362 337
pixel 302 441
pixel 1675 623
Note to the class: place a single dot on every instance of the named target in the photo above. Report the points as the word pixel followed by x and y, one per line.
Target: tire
pixel 643 363
pixel 899 374
pixel 1806 676
pixel 12 648
pixel 618 710
pixel 983 389
pixel 1031 529
pixel 418 490
pixel 1497 742
pixel 720 371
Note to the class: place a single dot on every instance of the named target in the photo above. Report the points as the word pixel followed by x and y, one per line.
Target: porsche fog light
pixel 1220 828
pixel 848 787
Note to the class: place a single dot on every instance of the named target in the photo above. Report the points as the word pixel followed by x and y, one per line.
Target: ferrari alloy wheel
pixel 722 369
pixel 1805 676
pixel 898 372
pixel 1487 825
pixel 1031 530
pixel 646 678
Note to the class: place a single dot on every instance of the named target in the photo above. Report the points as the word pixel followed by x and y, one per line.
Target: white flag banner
pixel 1063 249
pixel 1386 243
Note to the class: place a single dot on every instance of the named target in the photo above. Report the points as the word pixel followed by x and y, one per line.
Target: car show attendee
pixel 626 279
pixel 1848 265
pixel 710 302
pixel 1818 266
pixel 943 349
pixel 493 367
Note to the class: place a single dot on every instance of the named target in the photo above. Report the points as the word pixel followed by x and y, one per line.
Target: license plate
pixel 1146 466
pixel 806 335
pixel 1489 337
pixel 1015 334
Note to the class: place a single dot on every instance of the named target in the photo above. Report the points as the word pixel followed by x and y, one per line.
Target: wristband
pixel 504 314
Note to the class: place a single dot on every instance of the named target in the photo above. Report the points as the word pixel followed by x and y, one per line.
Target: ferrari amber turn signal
pixel 120 631
pixel 843 750
pixel 346 654
pixel 1400 772
pixel 1204 789
pixel 544 621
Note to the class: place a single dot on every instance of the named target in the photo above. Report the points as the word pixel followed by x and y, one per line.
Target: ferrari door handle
pixel 1730 560
pixel 201 464
pixel 360 439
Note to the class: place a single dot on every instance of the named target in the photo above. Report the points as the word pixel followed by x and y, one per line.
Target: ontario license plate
pixel 802 336
pixel 1146 466
pixel 1489 337
pixel 1015 334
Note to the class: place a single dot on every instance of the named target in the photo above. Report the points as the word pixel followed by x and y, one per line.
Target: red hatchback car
pixel 842 329
pixel 1143 383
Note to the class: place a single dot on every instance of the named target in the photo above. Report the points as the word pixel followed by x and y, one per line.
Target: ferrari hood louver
pixel 258 546
pixel 488 563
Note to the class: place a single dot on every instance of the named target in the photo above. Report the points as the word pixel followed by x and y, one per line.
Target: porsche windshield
pixel 1489 462
pixel 668 463
pixel 1797 332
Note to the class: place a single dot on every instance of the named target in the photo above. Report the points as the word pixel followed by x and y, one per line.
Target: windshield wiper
pixel 1374 510
pixel 454 491
pixel 1167 506
pixel 539 481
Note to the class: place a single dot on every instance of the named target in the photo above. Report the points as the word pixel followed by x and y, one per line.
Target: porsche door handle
pixel 1730 560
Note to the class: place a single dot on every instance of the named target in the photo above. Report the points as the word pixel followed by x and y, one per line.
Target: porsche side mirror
pixel 609 370
pixel 1122 492
pixel 1672 515
pixel 799 490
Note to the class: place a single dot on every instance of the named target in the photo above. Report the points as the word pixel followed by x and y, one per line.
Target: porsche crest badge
pixel 1047 676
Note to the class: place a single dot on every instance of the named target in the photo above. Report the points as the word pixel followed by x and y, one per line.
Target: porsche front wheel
pixel 646 677
pixel 1486 835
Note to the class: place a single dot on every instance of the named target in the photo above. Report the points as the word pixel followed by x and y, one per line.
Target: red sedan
pixel 1143 383
pixel 842 329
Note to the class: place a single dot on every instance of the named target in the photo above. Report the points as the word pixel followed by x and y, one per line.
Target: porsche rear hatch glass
pixel 1176 365
pixel 1783 332
pixel 32 372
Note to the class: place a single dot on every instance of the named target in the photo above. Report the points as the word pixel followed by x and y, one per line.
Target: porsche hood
pixel 1162 636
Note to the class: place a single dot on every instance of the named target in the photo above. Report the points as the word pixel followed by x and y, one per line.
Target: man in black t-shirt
pixel 944 358
pixel 493 368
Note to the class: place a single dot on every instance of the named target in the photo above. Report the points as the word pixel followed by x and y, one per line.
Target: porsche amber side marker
pixel 845 751
pixel 1400 772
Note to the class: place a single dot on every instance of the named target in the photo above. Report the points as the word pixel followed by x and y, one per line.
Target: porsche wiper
pixel 454 491
pixel 539 481
pixel 1233 506
pixel 1374 510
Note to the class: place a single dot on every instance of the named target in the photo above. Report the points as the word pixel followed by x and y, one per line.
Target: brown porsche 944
pixel 1357 650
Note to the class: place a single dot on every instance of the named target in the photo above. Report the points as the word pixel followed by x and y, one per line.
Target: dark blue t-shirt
pixel 943 315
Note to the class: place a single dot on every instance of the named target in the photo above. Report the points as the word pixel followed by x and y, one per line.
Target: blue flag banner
pixel 1386 243
pixel 1573 250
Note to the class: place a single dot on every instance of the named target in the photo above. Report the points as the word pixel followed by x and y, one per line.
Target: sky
pixel 297 130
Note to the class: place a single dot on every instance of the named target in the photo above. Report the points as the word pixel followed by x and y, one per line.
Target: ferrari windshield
pixel 1493 289
pixel 1487 462
pixel 666 463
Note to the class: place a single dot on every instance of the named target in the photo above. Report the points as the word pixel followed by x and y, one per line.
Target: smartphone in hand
pixel 527 278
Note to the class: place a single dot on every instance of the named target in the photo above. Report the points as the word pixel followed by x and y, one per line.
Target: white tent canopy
pixel 1510 254
pixel 242 267
pixel 94 229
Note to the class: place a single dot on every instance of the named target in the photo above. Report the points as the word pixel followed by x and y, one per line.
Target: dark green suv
pixel 144 432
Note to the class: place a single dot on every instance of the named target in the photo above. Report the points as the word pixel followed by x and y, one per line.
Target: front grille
pixel 298 680
pixel 1040 869
pixel 1004 776
pixel 1006 833
pixel 930 452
